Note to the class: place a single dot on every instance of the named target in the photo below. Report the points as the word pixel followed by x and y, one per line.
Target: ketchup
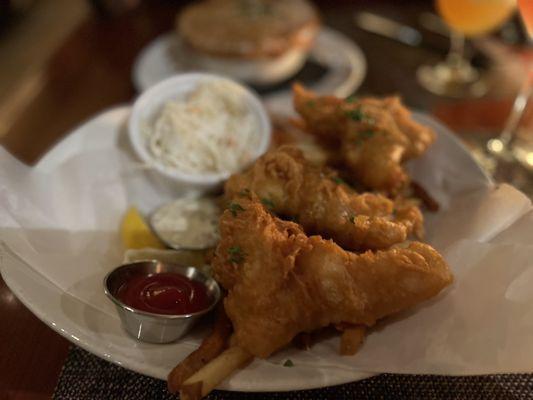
pixel 164 293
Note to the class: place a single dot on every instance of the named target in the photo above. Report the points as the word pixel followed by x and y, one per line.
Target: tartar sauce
pixel 188 223
pixel 212 130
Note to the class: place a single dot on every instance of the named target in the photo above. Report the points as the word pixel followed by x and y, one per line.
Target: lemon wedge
pixel 136 234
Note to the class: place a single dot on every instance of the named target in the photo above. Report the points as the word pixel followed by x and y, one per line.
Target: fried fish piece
pixel 281 282
pixel 291 186
pixel 375 135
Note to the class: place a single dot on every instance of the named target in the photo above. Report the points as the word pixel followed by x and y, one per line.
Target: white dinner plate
pixel 343 60
pixel 101 333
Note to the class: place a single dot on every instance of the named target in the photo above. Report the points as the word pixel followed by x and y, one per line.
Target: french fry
pixel 210 348
pixel 207 378
pixel 351 339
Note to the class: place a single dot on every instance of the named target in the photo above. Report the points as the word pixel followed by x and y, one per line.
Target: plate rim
pixel 354 81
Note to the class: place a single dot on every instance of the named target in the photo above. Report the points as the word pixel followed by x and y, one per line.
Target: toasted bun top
pixel 248 28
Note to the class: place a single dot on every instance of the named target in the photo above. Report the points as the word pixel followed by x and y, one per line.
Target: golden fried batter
pixel 321 203
pixel 374 135
pixel 281 282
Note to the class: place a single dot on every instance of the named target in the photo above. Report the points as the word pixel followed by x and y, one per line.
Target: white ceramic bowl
pixel 150 102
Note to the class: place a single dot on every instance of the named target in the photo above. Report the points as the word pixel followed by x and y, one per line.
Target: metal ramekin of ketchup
pixel 159 302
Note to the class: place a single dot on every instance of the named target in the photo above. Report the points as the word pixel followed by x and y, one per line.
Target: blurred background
pixel 64 60
pixel 465 62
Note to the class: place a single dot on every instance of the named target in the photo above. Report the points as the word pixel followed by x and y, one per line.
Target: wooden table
pixel 91 71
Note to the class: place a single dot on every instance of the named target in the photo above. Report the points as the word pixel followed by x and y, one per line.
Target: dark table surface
pixel 91 71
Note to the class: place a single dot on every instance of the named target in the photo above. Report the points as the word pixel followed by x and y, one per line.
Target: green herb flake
pixel 359 116
pixel 351 99
pixel 236 254
pixel 311 103
pixel 351 218
pixel 338 180
pixel 288 363
pixel 268 203
pixel 356 115
pixel 235 208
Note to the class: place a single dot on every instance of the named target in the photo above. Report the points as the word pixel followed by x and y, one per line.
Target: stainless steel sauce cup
pixel 150 327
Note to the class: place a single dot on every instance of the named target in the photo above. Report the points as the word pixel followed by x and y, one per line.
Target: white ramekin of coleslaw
pixel 197 129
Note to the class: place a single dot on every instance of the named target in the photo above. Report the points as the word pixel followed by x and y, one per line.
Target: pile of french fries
pixel 218 357
pixel 210 364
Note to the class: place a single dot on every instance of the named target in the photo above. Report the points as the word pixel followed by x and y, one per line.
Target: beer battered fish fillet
pixel 291 186
pixel 281 282
pixel 374 135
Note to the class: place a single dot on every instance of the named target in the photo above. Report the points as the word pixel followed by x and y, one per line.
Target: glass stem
pixel 456 54
pixel 517 111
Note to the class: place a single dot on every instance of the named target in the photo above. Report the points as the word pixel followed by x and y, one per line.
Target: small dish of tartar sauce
pixel 188 223
pixel 199 128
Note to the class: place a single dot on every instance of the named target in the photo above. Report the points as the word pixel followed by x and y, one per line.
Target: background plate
pixel 342 61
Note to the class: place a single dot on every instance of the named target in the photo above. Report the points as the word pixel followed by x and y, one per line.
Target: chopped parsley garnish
pixel 236 255
pixel 288 363
pixel 351 99
pixel 268 203
pixel 311 103
pixel 245 192
pixel 356 115
pixel 351 218
pixel 338 180
pixel 235 208
pixel 359 116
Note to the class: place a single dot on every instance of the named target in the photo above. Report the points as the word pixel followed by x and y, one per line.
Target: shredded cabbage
pixel 212 131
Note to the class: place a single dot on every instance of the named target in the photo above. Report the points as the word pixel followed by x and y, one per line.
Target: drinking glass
pixel 455 76
pixel 526 11
pixel 514 155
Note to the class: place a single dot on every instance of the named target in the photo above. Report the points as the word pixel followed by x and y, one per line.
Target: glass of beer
pixel 455 76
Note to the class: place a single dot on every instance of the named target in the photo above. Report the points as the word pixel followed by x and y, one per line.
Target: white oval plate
pixel 101 333
pixel 339 55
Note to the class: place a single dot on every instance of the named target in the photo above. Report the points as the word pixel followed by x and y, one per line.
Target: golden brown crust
pixel 284 282
pixel 322 204
pixel 375 135
pixel 248 28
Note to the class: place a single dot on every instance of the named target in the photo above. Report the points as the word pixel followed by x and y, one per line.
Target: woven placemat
pixel 85 376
